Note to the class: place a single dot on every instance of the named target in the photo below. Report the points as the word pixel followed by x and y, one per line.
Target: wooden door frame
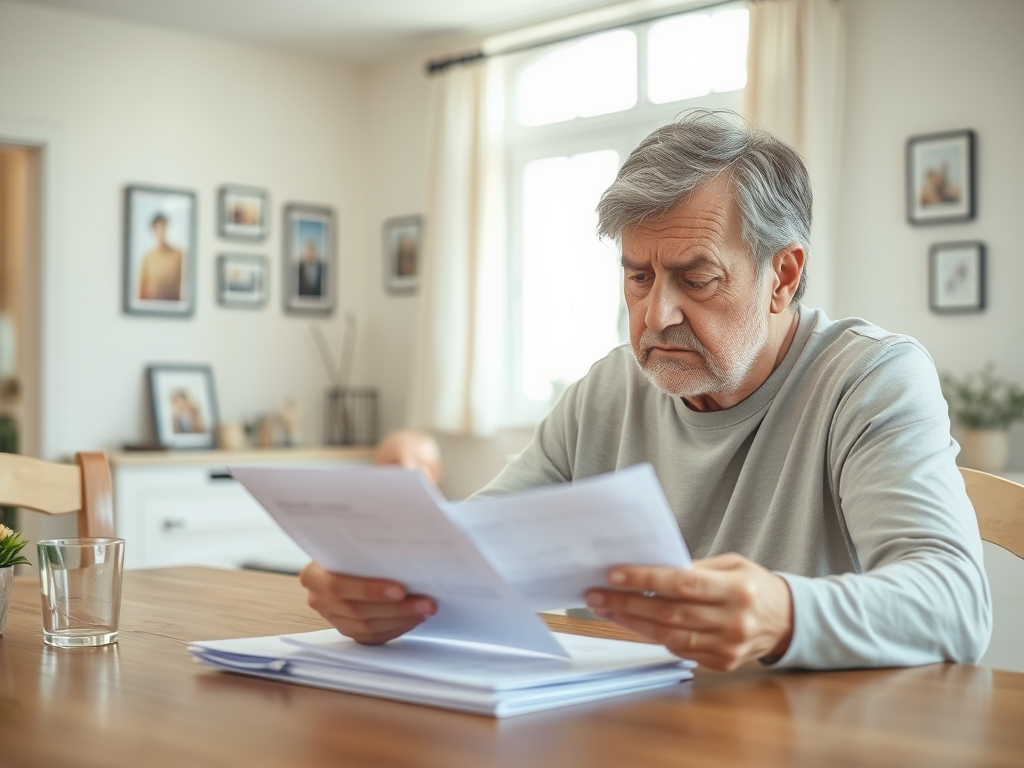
pixel 51 376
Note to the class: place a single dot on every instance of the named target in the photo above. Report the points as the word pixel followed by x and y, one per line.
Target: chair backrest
pixel 57 489
pixel 999 505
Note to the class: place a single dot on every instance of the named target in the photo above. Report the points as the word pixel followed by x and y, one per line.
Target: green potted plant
pixel 11 544
pixel 984 406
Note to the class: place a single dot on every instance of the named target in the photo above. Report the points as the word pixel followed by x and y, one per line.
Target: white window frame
pixel 619 131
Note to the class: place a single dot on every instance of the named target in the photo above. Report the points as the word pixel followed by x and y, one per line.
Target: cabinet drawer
pixel 211 526
pixel 179 511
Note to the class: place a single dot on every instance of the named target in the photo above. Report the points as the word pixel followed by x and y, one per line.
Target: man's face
pixel 698 313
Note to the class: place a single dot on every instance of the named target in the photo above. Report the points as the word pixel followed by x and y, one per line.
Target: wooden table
pixel 143 702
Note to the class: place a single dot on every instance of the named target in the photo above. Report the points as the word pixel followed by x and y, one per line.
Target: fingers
pixel 668 612
pixel 414 605
pixel 699 584
pixel 338 586
pixel 722 612
pixel 706 648
pixel 374 631
pixel 370 611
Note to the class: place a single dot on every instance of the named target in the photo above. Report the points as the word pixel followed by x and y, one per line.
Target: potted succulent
pixel 11 544
pixel 984 406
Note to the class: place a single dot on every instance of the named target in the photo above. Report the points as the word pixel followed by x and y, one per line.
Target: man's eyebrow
pixel 695 263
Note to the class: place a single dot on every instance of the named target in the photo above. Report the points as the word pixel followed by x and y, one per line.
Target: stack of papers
pixel 470 677
pixel 489 565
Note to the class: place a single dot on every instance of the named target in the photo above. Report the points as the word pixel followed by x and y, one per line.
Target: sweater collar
pixel 763 395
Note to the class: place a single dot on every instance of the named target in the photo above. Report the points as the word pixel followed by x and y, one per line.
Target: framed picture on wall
pixel 940 177
pixel 243 213
pixel 243 280
pixel 402 244
pixel 159 251
pixel 184 405
pixel 308 263
pixel 956 273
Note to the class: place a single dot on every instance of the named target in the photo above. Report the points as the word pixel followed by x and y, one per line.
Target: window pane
pixel 606 74
pixel 593 77
pixel 697 53
pixel 729 63
pixel 678 52
pixel 570 288
pixel 542 88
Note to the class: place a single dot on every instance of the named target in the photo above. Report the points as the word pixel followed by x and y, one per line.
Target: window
pixel 577 109
pixel 570 279
pixel 593 77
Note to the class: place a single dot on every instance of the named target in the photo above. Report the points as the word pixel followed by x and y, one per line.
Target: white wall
pixel 922 66
pixel 136 104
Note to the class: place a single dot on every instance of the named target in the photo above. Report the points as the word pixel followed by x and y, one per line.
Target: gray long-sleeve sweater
pixel 838 473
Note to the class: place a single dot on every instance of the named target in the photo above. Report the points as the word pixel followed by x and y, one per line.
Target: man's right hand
pixel 370 611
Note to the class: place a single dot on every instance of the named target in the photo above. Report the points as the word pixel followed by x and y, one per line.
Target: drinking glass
pixel 80 585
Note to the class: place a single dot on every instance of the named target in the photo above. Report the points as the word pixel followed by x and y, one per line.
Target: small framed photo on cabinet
pixel 159 251
pixel 184 405
pixel 940 177
pixel 957 277
pixel 243 280
pixel 308 259
pixel 402 253
pixel 243 213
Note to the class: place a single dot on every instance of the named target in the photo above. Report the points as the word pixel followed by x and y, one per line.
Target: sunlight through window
pixel 697 54
pixel 596 76
pixel 570 278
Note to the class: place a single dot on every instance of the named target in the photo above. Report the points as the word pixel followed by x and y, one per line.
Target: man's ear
pixel 787 266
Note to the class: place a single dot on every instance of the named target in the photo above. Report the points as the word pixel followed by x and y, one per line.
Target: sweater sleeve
pixel 546 460
pixel 921 595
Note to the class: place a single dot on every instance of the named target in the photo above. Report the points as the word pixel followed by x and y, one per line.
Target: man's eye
pixel 698 284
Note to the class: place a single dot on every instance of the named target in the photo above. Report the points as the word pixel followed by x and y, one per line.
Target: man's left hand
pixel 722 612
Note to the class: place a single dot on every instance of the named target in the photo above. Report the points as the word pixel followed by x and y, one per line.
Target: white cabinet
pixel 185 509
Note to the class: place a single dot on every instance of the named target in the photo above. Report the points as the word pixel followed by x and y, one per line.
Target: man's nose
pixel 663 307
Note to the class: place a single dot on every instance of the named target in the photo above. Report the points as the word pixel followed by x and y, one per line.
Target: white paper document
pixel 553 544
pixel 488 564
pixel 462 676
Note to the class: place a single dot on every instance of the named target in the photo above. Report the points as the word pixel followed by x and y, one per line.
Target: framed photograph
pixel 940 177
pixel 402 243
pixel 957 277
pixel 184 405
pixel 243 213
pixel 159 251
pixel 308 259
pixel 243 280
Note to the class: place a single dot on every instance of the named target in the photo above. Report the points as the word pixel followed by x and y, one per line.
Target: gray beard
pixel 714 375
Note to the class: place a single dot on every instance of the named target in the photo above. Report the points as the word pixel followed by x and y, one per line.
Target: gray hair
pixel 771 183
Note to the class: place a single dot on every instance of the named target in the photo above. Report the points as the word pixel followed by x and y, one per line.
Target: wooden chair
pixel 999 505
pixel 83 487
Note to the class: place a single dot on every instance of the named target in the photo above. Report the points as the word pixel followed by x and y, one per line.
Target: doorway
pixel 20 206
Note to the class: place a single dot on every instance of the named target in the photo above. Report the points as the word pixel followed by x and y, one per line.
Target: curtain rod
pixel 436 66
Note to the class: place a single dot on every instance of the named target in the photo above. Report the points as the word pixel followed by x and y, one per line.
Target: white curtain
pixel 456 382
pixel 795 88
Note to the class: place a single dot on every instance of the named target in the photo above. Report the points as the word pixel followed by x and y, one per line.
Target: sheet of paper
pixel 453 663
pixel 554 543
pixel 446 674
pixel 475 666
pixel 387 522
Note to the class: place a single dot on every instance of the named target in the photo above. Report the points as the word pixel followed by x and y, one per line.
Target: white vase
pixel 985 449
pixel 6 579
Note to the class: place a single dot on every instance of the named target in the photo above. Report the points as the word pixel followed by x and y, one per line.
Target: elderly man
pixel 808 462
